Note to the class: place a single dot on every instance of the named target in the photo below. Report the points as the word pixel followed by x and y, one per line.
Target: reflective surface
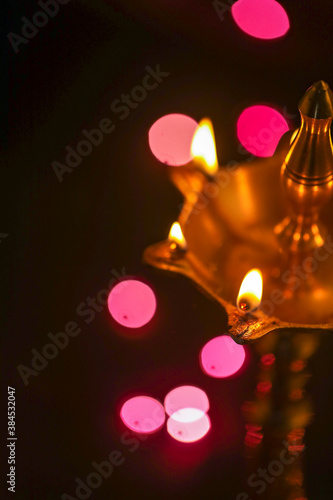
pixel 228 223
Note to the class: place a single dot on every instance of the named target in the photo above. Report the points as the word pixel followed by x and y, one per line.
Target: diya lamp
pixel 269 221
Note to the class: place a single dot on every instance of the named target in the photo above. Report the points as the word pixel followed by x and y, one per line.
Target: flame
pixel 203 147
pixel 176 236
pixel 250 293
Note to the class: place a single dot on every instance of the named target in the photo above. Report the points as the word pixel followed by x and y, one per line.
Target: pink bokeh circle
pixel 170 139
pixel 143 414
pixel 260 128
pixel 221 357
pixel 132 303
pixel 265 19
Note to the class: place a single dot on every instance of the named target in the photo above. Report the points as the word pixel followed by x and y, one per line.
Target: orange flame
pixel 176 236
pixel 250 293
pixel 203 147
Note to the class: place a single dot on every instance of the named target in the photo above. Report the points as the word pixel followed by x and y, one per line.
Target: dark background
pixel 64 239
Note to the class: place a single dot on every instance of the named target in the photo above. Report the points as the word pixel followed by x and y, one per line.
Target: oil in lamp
pixel 270 221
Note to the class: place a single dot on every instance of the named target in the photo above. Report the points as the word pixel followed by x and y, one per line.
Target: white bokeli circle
pixel 188 425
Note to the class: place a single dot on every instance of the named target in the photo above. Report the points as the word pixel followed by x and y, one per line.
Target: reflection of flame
pixel 293 137
pixel 203 146
pixel 250 293
pixel 176 236
pixel 253 436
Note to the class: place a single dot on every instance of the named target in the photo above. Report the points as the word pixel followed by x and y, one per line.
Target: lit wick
pixel 250 293
pixel 244 305
pixel 176 238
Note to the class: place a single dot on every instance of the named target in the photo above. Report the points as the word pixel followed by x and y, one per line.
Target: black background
pixel 64 239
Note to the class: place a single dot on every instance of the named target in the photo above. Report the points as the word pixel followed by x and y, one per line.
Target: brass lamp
pixel 275 215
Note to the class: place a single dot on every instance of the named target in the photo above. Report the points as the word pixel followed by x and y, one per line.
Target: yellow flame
pixel 176 236
pixel 203 147
pixel 250 293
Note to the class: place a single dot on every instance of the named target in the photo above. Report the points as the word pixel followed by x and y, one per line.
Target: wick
pixel 244 306
pixel 176 249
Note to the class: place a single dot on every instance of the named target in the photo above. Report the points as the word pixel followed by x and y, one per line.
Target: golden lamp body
pixel 274 214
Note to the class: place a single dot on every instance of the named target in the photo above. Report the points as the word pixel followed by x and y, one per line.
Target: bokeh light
pixel 264 388
pixel 188 425
pixel 259 129
pixel 170 139
pixel 132 303
pixel 265 19
pixel 143 414
pixel 297 365
pixel 267 360
pixel 186 396
pixel 221 357
pixel 254 435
